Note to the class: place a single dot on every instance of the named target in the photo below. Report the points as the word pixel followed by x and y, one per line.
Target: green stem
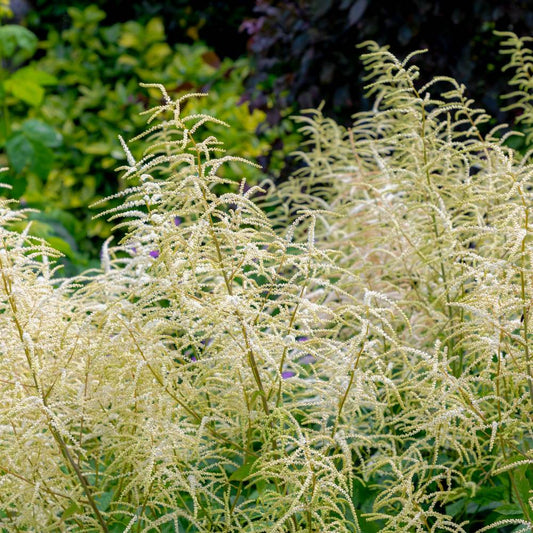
pixel 347 391
pixel 449 342
pixel 250 353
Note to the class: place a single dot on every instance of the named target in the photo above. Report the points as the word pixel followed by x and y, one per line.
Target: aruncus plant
pixel 357 361
pixel 200 380
pixel 432 211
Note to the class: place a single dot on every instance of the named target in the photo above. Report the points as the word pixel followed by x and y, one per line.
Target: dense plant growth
pixel 357 360
pixel 62 147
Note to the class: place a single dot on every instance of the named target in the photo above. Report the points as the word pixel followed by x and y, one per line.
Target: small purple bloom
pixel 288 374
pixel 154 254
pixel 133 250
pixel 177 221
pixel 307 359
pixel 302 339
pixel 193 359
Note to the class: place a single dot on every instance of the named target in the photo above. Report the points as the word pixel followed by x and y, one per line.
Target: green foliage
pixel 95 70
pixel 5 11
pixel 28 144
pixel 357 360
pixel 210 21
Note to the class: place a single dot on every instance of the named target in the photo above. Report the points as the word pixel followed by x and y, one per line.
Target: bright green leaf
pixel 61 246
pixel 97 148
pixel 34 75
pixel 157 53
pixel 25 90
pixel 126 59
pixel 155 30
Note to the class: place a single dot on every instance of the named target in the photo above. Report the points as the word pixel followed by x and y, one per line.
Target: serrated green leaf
pixel 508 509
pixel 488 495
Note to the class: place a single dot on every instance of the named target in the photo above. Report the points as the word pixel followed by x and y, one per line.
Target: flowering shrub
pixel 357 360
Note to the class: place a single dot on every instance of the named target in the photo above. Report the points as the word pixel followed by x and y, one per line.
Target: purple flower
pixel 154 254
pixel 307 359
pixel 193 359
pixel 177 221
pixel 288 374
pixel 302 339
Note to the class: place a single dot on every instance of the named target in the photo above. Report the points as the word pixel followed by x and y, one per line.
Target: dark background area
pixel 305 51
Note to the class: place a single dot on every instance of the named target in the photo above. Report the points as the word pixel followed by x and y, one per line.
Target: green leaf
pixel 37 76
pixel 42 160
pixel 522 483
pixel 157 53
pixel 103 500
pixel 73 508
pixel 25 90
pixel 20 185
pixel 508 509
pixel 244 470
pixel 265 486
pixel 62 246
pixel 13 36
pixel 19 150
pixel 37 130
pixel 96 148
pixel 453 508
pixel 155 30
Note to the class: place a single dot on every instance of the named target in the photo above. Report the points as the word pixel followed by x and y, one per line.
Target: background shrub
pixel 304 52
